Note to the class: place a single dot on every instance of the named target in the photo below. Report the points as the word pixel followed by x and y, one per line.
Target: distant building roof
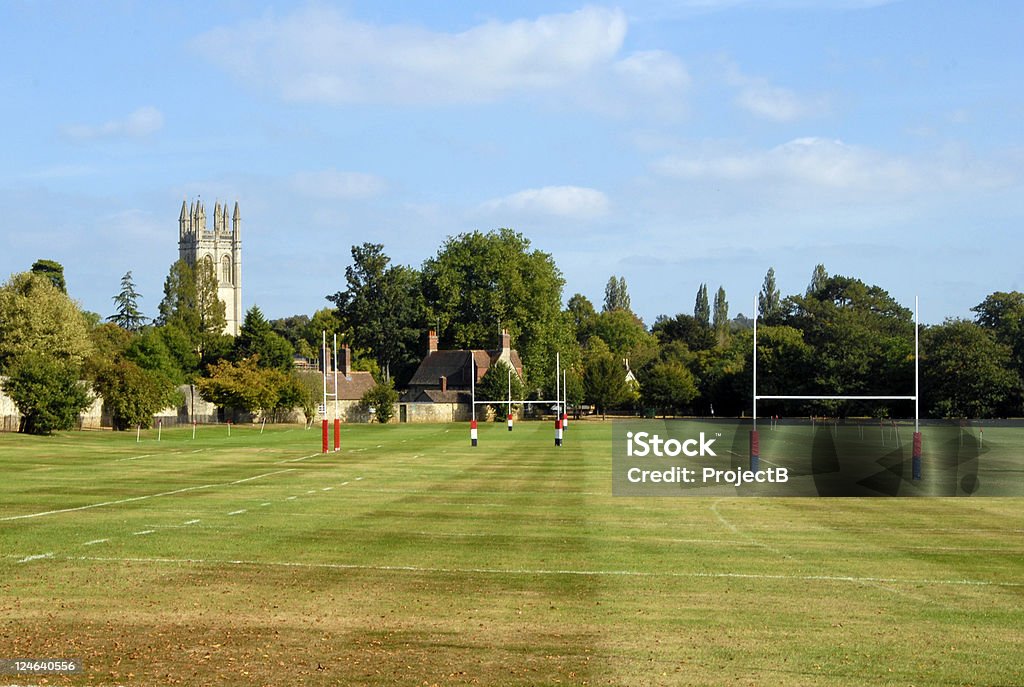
pixel 350 388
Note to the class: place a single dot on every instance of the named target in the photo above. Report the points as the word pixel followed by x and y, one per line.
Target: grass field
pixel 410 558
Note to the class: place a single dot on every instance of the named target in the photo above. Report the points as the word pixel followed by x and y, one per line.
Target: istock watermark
pixel 813 457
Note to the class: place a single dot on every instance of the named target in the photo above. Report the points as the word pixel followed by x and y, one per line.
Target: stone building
pixel 444 379
pixel 221 248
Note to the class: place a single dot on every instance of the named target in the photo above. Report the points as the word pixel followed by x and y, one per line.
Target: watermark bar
pixel 808 457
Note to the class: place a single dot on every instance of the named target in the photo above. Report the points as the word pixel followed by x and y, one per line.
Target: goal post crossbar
pixel 836 398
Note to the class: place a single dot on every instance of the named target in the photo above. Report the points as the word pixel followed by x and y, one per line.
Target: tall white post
pixel 336 414
pixel 558 385
pixel 755 363
pixel 323 357
pixel 917 361
pixel 472 382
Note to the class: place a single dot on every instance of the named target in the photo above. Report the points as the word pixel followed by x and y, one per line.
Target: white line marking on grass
pixel 291 498
pixel 266 503
pixel 344 483
pixel 311 491
pixel 327 488
pixel 546 571
pixel 358 479
pixel 198 450
pixel 121 460
pixel 143 498
pixel 190 522
pixel 296 460
pixel 238 512
pixel 735 530
pixel 37 557
pixel 143 532
pixel 95 541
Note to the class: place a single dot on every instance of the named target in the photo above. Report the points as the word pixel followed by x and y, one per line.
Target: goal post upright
pixel 755 443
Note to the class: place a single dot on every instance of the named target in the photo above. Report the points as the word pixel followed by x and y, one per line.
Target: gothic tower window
pixel 225 270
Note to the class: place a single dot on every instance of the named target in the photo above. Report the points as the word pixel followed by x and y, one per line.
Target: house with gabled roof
pixel 444 380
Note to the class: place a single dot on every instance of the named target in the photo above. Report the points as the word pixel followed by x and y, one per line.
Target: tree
pixel 769 301
pixel 668 386
pixel 582 315
pixel 494 386
pixel 967 373
pixel 131 394
pixel 382 307
pixel 52 270
pixel 721 317
pixel 191 304
pixel 127 316
pixel 478 283
pixel 626 336
pixel 684 328
pixel 702 308
pixel 616 296
pixel 381 401
pixel 244 385
pixel 37 317
pixel 604 377
pixel 46 390
pixel 818 279
pixel 862 341
pixel 256 338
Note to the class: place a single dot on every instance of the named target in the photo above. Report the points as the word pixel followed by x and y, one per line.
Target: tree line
pixel 840 336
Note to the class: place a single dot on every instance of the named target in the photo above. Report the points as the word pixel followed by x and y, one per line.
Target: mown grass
pixel 411 558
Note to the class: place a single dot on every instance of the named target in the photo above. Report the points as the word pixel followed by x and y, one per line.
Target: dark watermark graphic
pixel 814 457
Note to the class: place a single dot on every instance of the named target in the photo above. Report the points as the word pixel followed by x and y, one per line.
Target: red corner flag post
pixel 472 432
pixel 337 434
pixel 324 442
pixel 558 431
pixel 510 422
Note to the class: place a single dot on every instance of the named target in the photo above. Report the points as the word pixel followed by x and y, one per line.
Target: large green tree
pixel 863 342
pixel 46 390
pixel 37 317
pixel 244 385
pixel 132 395
pixel 257 338
pixel 381 309
pixel 479 283
pixel 191 304
pixel 604 377
pixel 967 372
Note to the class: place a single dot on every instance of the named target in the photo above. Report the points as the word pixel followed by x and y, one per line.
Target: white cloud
pixel 806 162
pixel 573 202
pixel 138 124
pixel 338 185
pixel 319 55
pixel 763 99
pixel 778 104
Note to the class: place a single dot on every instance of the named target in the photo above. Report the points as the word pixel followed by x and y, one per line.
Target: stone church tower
pixel 222 248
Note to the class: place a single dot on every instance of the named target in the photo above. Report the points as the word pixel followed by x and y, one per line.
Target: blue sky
pixel 671 143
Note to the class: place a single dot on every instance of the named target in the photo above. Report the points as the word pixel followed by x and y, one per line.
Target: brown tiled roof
pixel 350 388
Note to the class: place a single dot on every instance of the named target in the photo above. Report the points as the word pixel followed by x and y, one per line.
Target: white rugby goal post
pixel 755 452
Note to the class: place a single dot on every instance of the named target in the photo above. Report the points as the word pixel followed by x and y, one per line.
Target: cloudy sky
pixel 668 142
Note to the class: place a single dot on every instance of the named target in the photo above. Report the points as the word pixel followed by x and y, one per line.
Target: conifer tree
pixel 127 315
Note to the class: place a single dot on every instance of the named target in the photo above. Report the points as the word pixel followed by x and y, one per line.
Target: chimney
pixel 346 361
pixel 431 342
pixel 444 383
pixel 506 344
